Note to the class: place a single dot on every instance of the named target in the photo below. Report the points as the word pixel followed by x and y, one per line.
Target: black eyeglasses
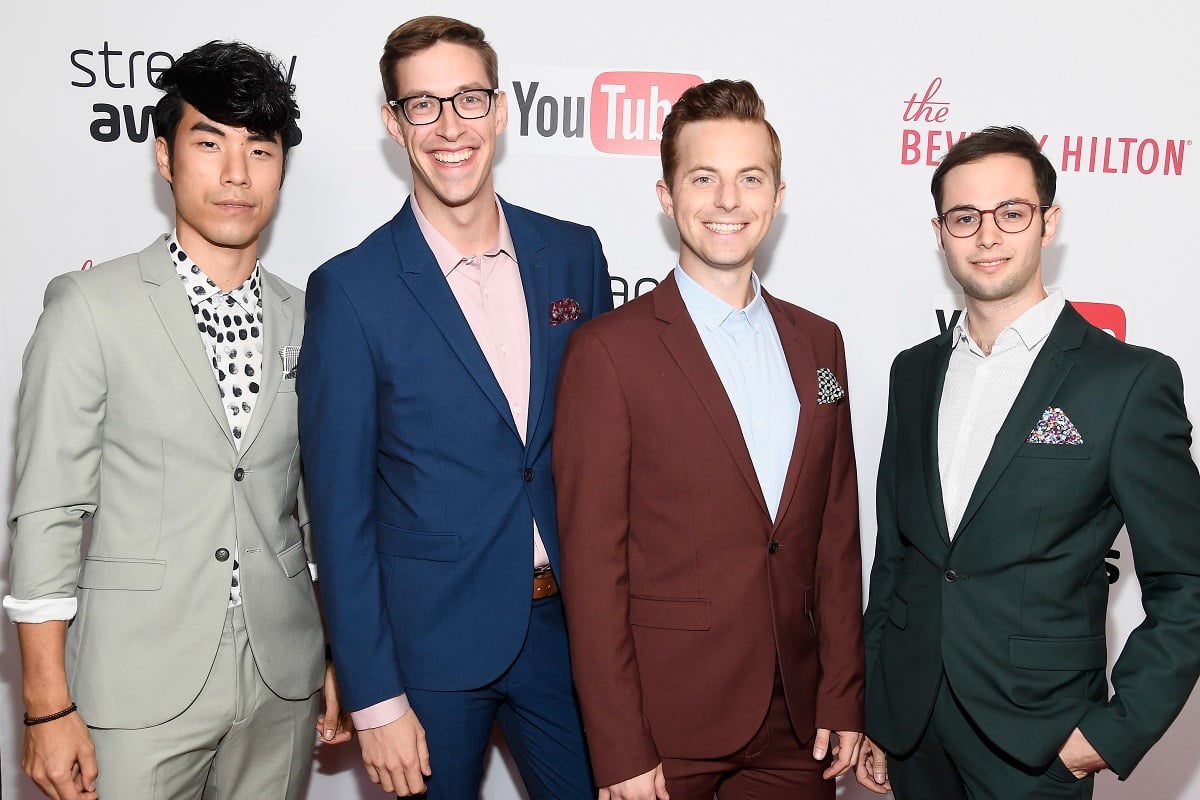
pixel 425 109
pixel 1012 217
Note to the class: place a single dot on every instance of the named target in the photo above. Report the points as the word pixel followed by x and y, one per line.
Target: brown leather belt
pixel 544 584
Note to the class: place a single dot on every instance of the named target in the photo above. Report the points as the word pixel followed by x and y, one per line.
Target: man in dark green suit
pixel 1018 444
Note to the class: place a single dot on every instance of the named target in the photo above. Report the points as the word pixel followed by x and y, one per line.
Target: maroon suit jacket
pixel 681 593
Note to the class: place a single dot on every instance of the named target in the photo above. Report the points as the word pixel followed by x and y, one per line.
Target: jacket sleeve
pixel 1154 482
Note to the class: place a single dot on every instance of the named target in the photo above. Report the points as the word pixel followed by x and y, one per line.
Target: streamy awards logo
pixel 575 111
pixel 121 84
pixel 929 134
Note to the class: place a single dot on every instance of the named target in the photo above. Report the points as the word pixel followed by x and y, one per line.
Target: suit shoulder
pixel 377 246
pixel 623 320
pixel 547 224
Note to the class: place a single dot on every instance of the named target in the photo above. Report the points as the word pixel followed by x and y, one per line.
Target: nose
pixel 449 123
pixel 727 196
pixel 989 233
pixel 236 170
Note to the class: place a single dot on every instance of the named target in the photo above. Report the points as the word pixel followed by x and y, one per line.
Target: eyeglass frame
pixel 491 102
pixel 944 225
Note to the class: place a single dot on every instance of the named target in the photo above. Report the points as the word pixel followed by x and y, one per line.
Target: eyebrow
pixel 1001 203
pixel 207 127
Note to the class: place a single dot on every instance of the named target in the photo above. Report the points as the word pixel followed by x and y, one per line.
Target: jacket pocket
pixel 1065 451
pixel 689 614
pixel 1075 653
pixel 134 574
pixel 401 542
pixel 293 559
pixel 897 612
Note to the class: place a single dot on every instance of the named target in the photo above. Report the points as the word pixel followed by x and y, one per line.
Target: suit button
pixel 528 475
pixel 239 473
pixel 773 547
pixel 221 555
pixel 951 575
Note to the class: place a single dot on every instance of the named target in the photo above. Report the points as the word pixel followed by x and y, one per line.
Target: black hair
pixel 233 84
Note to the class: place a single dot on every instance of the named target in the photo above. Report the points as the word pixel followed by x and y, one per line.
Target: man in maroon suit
pixel 708 509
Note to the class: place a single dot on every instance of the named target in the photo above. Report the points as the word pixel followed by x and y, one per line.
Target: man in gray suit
pixel 158 401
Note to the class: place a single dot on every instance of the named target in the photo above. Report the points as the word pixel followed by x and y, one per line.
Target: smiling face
pixel 723 196
pixel 225 181
pixel 451 158
pixel 994 267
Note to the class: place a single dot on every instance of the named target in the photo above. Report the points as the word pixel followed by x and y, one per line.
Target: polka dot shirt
pixel 231 327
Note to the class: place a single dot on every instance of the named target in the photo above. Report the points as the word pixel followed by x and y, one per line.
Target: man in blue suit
pixel 426 381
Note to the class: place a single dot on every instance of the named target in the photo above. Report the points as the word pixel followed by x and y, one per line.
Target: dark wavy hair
pixel 233 84
pixel 993 141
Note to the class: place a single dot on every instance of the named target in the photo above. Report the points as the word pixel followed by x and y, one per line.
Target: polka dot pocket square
pixel 1055 427
pixel 828 388
pixel 289 355
pixel 565 310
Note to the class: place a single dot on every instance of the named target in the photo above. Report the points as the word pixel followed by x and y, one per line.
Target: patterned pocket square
pixel 828 388
pixel 565 310
pixel 1055 427
pixel 289 354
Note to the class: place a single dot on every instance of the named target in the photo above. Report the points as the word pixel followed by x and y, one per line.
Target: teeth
pixel 453 158
pixel 725 227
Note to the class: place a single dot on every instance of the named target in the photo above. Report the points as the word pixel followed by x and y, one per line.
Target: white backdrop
pixel 866 97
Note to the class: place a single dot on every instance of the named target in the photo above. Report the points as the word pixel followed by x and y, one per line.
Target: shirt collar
pixel 446 254
pixel 201 289
pixel 711 311
pixel 1031 327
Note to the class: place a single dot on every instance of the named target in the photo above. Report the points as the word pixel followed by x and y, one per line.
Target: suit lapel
pixel 535 278
pixel 933 380
pixel 179 322
pixel 682 341
pixel 419 271
pixel 277 331
pixel 1049 370
pixel 798 351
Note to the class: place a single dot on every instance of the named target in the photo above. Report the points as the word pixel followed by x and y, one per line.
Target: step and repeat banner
pixel 866 98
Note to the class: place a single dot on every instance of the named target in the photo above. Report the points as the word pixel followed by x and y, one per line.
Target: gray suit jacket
pixel 120 421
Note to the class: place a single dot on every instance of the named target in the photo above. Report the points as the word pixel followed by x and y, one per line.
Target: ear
pixel 1050 226
pixel 779 191
pixel 664 198
pixel 391 121
pixel 936 222
pixel 501 111
pixel 162 157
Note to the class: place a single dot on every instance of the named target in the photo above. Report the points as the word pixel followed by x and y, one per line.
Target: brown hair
pixel 715 100
pixel 422 33
pixel 994 141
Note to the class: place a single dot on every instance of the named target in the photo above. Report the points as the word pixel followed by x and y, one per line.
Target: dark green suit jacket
pixel 1012 610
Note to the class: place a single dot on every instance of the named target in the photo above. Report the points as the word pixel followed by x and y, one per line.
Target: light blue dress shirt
pixel 744 347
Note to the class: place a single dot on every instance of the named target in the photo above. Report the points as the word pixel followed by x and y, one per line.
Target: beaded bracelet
pixel 50 717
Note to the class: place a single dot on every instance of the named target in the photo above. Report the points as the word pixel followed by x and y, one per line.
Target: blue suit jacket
pixel 423 496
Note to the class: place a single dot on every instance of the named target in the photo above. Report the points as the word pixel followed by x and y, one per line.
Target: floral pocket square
pixel 289 354
pixel 828 388
pixel 1055 427
pixel 565 310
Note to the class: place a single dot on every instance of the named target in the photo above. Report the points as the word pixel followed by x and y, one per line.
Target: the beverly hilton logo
pixel 928 135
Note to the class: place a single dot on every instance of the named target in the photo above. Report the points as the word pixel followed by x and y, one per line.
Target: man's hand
pixel 647 786
pixel 60 758
pixel 396 755
pixel 1080 757
pixel 333 725
pixel 845 752
pixel 871 769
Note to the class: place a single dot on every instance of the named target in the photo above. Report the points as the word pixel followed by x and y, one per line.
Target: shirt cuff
pixel 312 571
pixel 380 714
pixel 45 609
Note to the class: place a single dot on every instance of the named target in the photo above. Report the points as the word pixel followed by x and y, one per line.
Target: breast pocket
pixel 1073 452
